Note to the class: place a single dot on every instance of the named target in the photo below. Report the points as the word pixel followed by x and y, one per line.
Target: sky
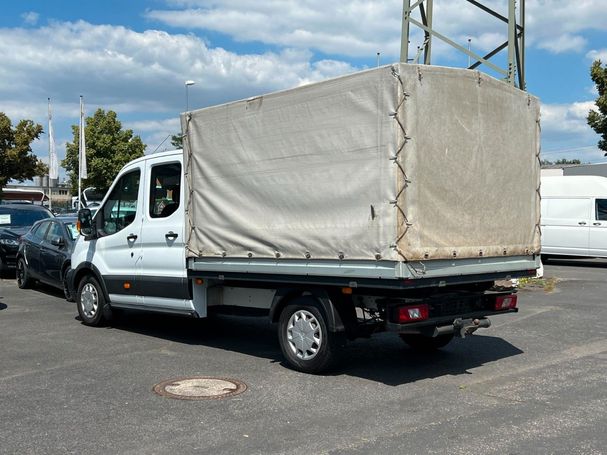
pixel 134 56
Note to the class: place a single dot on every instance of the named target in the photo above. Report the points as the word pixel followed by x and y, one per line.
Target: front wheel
pixel 304 339
pixel 425 343
pixel 91 302
pixel 24 280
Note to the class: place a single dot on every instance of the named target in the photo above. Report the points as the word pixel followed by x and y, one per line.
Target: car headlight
pixel 11 242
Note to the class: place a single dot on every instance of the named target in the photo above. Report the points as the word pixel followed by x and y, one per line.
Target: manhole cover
pixel 200 388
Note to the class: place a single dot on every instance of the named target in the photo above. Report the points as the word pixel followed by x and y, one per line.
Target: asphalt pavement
pixel 533 383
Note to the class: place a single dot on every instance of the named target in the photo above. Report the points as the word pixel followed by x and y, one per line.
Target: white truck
pixel 574 216
pixel 386 200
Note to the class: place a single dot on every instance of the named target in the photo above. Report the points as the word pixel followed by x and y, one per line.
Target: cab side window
pixel 601 209
pixel 165 190
pixel 120 208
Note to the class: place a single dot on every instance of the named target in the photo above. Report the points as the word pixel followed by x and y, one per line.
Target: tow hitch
pixel 463 327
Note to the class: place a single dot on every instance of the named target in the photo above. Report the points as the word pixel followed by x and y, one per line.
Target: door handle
pixel 596 224
pixel 171 235
pixel 582 223
pixel 131 237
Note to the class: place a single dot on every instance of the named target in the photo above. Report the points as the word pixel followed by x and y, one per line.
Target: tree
pixel 598 120
pixel 177 141
pixel 566 161
pixel 561 161
pixel 108 149
pixel 17 161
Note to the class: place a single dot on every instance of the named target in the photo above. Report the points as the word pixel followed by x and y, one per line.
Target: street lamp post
pixel 187 84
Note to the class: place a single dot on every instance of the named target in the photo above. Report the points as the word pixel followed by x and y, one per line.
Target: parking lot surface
pixel 535 382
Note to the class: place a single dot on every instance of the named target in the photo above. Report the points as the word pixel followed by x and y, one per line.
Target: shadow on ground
pixel 383 358
pixel 48 290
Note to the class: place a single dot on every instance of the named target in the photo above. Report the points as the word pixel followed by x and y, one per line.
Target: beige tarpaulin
pixel 399 162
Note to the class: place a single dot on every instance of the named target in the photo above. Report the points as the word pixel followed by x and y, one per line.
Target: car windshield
pixel 73 230
pixel 10 217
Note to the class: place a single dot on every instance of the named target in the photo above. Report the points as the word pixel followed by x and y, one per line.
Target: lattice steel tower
pixel 513 73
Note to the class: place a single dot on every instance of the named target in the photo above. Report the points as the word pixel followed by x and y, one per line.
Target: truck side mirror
pixel 85 223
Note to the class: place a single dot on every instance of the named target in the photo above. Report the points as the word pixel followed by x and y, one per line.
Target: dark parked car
pixel 16 220
pixel 45 253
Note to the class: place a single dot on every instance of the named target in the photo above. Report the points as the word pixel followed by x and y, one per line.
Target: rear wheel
pixel 426 343
pixel 305 341
pixel 91 302
pixel 24 280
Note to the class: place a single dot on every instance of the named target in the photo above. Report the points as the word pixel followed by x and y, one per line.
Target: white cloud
pixel 571 17
pixel 566 134
pixel 563 43
pixel 30 18
pixel 140 75
pixel 597 54
pixel 567 119
pixel 355 27
pixel 360 28
pixel 117 68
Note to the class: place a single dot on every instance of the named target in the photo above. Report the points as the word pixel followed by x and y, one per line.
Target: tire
pixel 24 280
pixel 425 343
pixel 305 341
pixel 91 302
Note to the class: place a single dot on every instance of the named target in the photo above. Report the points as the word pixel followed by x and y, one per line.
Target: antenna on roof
pixel 165 139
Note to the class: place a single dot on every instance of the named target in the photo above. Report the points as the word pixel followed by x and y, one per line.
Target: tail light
pixel 412 313
pixel 505 302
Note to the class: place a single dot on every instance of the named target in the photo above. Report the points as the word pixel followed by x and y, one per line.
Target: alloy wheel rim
pixel 304 335
pixel 89 300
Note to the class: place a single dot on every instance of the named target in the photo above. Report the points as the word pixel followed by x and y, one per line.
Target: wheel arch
pixel 87 268
pixel 321 297
pixel 65 267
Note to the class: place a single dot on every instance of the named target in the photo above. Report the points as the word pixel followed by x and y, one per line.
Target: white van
pixel 574 216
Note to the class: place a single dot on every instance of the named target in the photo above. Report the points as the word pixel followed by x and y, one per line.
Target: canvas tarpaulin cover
pixel 402 162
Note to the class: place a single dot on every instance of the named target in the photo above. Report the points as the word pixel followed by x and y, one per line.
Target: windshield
pixel 10 217
pixel 73 230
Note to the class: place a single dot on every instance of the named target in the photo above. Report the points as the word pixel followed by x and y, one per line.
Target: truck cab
pixel 133 254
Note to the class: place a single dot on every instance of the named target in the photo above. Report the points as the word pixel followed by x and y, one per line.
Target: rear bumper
pixel 457 312
pixel 445 325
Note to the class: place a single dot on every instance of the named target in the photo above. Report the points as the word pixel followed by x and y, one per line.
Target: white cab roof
pixel 168 153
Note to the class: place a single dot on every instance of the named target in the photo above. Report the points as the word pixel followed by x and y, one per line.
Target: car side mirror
pixel 85 223
pixel 57 240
